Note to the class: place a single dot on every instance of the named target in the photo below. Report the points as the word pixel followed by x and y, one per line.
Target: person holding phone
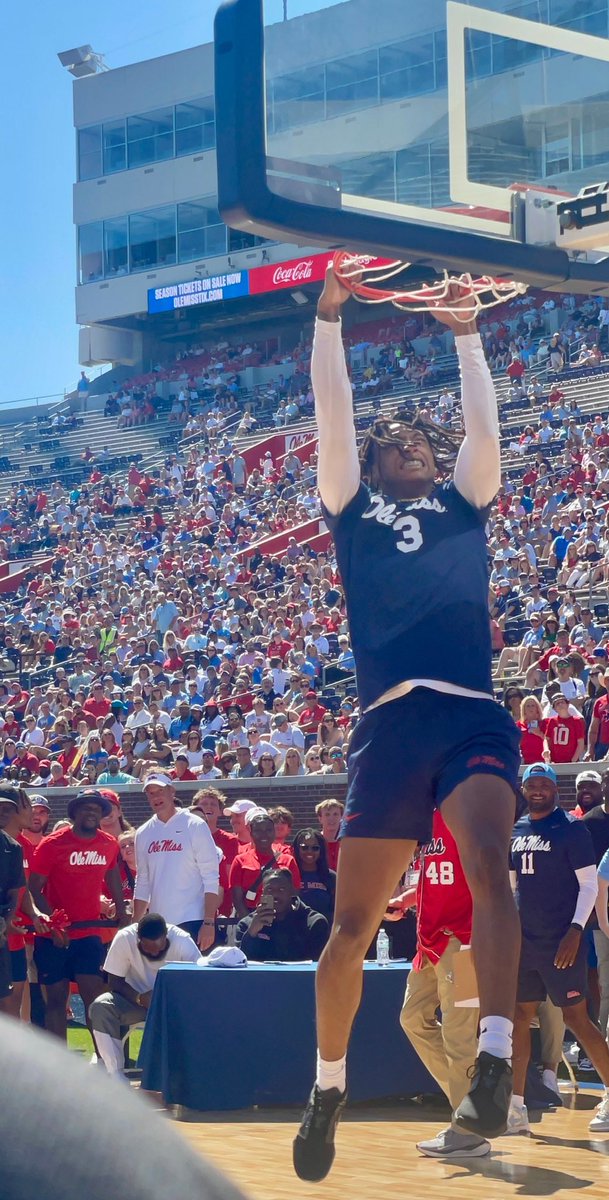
pixel 532 728
pixel 282 928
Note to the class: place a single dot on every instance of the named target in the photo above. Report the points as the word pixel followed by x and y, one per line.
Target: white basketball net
pixel 484 291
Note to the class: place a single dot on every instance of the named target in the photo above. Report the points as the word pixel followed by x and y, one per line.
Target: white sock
pixel 549 1079
pixel 518 1101
pixel 496 1037
pixel 331 1074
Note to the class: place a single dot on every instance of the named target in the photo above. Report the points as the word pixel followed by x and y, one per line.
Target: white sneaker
pixel 518 1120
pixel 600 1120
pixel 550 1081
pixel 453 1143
pixel 572 1054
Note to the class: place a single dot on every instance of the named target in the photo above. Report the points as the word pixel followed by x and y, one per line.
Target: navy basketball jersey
pixel 415 575
pixel 545 855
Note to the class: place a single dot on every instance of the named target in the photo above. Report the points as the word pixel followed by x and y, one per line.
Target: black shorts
pixel 83 956
pixel 5 972
pixel 407 756
pixel 538 977
pixel 18 966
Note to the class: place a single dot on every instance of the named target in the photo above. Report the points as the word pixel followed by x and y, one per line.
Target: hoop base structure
pixel 359 273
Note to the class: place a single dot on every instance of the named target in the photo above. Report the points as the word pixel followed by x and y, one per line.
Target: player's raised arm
pixel 478 468
pixel 338 473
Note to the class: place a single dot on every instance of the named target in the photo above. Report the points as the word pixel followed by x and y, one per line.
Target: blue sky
pixel 38 334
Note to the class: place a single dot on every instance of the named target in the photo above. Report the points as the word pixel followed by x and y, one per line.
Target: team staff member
pixel 71 869
pixel 132 964
pixel 177 865
pixel 554 874
pixel 444 924
pixel 408 519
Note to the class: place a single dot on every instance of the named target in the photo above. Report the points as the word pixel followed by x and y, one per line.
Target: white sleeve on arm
pixel 338 473
pixel 206 857
pixel 478 469
pixel 588 890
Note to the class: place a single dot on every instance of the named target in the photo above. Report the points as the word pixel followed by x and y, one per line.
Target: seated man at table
pixel 132 963
pixel 282 928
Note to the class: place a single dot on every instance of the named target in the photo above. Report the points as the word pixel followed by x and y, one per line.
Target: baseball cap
pixel 539 768
pixel 113 797
pixel 39 801
pixel 600 652
pixel 241 806
pixel 9 795
pixel 225 956
pixel 310 695
pixel 256 811
pixel 588 777
pixel 159 778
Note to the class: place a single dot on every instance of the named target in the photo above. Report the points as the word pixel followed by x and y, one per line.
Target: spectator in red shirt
pixel 532 728
pixel 208 803
pixel 598 734
pixel 98 705
pixel 70 870
pixel 565 735
pixel 181 771
pixel 252 864
pixel 330 814
pixel 311 714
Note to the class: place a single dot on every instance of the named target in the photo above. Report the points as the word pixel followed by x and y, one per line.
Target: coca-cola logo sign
pixel 288 274
pixel 297 273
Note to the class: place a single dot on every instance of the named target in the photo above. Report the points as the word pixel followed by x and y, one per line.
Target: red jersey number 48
pixel 445 875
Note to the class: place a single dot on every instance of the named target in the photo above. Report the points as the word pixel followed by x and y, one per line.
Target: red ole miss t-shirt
pixel 531 745
pixel 444 903
pixel 563 734
pixel 601 714
pixel 75 870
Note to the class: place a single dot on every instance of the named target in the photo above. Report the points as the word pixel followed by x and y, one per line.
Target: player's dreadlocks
pixel 383 432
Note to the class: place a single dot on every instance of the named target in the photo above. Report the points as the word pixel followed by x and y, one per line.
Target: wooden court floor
pixel 377 1160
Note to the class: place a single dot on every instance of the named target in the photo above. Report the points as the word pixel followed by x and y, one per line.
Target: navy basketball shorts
pixel 83 956
pixel 538 977
pixel 18 966
pixel 407 756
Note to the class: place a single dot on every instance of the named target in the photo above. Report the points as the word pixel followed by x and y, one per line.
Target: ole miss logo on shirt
pixel 165 846
pixel 87 858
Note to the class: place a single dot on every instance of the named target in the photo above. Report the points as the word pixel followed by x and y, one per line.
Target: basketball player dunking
pixel 408 522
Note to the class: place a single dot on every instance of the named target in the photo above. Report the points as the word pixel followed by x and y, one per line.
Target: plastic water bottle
pixel 382 947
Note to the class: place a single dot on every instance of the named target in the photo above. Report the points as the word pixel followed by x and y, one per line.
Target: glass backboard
pixel 438 114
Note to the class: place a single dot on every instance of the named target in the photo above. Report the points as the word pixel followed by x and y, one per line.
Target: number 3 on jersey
pixel 446 874
pixel 410 529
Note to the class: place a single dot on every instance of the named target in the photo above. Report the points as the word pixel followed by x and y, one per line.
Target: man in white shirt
pixel 284 735
pixel 132 963
pixel 139 716
pixel 258 747
pixel 177 865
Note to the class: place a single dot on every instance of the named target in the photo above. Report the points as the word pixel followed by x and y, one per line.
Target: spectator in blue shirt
pixel 182 723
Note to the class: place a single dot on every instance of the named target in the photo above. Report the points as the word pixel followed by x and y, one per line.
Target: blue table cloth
pixel 219 1038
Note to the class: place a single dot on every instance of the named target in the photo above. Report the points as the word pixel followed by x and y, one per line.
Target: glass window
pixel 116 246
pixel 557 148
pixel 89 152
pixel 298 84
pixel 590 17
pixel 193 222
pixel 90 252
pixel 413 175
pixel 370 175
pixel 115 150
pixel 152 238
pixel 150 137
pixel 239 240
pixel 407 68
pixel 478 58
pixel 195 126
pixel 595 133
pixel 360 94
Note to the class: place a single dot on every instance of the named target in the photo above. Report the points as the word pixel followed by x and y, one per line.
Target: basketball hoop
pixel 359 273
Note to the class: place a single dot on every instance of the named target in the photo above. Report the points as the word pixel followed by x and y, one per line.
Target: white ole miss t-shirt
pixel 177 862
pixel 125 959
